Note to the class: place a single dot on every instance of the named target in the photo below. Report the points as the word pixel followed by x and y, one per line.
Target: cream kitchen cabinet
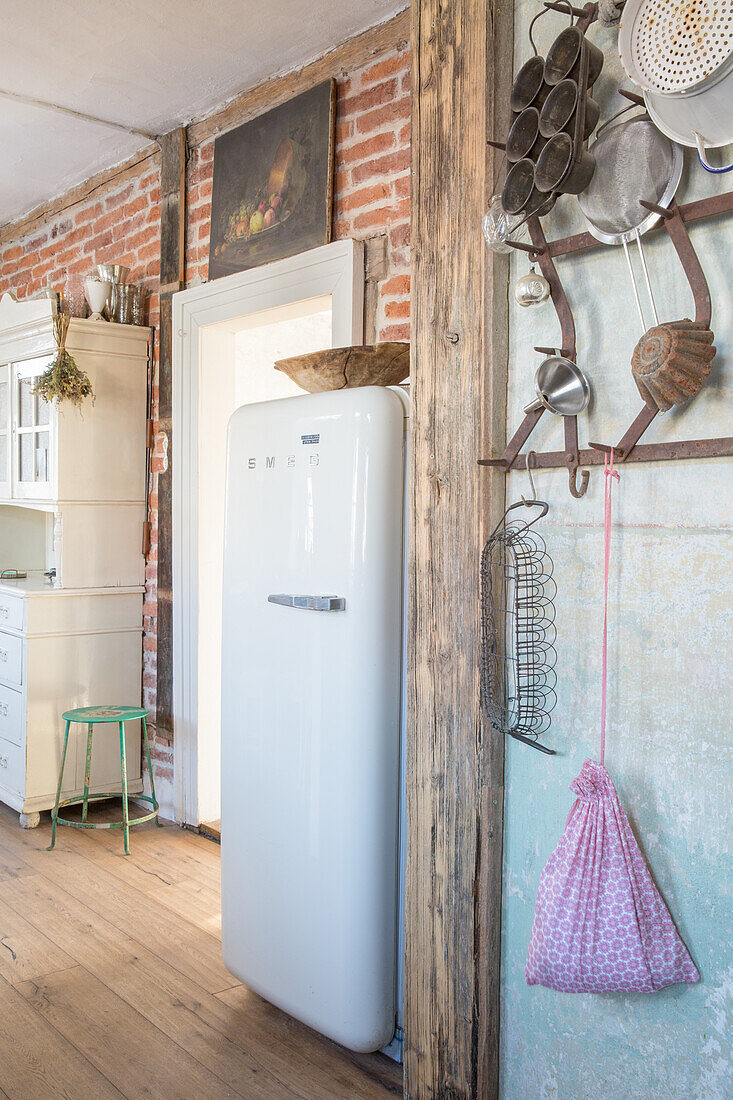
pixel 72 509
pixel 84 467
pixel 59 649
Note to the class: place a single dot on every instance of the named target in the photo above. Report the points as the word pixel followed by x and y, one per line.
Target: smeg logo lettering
pixel 271 462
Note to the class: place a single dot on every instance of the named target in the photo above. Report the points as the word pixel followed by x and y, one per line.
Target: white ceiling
pixel 150 64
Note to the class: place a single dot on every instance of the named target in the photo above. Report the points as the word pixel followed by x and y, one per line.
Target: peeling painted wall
pixel 670 665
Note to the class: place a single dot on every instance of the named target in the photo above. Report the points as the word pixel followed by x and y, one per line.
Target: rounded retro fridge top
pixel 311 679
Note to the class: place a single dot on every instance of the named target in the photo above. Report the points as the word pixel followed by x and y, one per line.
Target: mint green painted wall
pixel 670 664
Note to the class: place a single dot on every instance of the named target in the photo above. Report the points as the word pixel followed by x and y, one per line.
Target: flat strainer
pixel 674 46
pixel 634 161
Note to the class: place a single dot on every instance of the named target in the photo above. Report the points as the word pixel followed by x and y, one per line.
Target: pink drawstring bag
pixel 600 924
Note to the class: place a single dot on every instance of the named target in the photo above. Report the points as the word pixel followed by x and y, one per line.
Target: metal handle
pixel 309 603
pixel 701 151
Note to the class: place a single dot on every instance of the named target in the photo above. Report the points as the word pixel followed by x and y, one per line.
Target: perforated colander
pixel 673 47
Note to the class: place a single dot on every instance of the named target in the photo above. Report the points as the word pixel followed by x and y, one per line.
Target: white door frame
pixel 336 269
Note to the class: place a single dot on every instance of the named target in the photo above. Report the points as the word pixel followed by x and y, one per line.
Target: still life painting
pixel 273 184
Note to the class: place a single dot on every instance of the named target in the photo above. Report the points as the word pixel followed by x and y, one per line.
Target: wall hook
pixel 573 479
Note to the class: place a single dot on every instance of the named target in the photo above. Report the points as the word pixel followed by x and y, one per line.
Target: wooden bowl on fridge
pixel 344 368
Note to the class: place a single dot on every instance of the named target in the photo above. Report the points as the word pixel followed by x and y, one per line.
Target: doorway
pixel 227 335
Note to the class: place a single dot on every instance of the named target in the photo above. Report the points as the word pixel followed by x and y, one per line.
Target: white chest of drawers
pixel 60 649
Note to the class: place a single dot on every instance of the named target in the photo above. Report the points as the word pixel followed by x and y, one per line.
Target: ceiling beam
pixel 81 115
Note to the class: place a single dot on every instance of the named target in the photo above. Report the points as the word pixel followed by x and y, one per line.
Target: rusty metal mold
pixel 671 362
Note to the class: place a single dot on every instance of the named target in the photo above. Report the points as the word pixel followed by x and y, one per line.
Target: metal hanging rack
pixel 674 219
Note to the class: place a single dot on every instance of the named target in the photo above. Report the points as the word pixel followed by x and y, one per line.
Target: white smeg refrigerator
pixel 311 702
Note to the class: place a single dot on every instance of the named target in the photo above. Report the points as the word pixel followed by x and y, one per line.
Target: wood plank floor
pixel 112 984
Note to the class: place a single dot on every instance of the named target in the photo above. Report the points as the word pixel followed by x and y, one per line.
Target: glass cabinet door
pixel 33 434
pixel 4 431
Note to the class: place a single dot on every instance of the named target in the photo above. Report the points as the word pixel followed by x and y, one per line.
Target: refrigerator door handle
pixel 309 603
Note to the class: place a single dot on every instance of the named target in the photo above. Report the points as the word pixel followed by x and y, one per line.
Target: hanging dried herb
pixel 63 380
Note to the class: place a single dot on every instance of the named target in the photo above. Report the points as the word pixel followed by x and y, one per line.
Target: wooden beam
pixel 148 157
pixel 349 55
pixel 461 68
pixel 172 271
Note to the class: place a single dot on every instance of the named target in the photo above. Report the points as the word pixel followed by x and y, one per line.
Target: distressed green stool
pixel 92 716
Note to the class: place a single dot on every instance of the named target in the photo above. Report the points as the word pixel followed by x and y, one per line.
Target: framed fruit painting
pixel 273 184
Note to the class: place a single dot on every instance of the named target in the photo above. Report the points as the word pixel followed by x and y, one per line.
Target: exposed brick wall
pixel 122 223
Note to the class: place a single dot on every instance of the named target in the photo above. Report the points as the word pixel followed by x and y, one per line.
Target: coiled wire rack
pixel 518 634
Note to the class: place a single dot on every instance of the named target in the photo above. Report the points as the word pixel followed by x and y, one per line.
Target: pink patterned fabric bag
pixel 600 925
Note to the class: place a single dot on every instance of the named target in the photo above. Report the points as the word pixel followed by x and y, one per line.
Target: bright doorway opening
pixel 235 368
pixel 227 335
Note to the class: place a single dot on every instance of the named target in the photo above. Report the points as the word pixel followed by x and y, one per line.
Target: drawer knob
pixel 3 761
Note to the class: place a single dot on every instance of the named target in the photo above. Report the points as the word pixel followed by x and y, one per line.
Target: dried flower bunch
pixel 63 380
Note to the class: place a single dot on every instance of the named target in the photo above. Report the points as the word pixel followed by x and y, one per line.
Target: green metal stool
pixel 91 716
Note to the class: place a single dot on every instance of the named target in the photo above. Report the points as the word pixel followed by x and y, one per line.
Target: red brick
pixel 382 166
pixel 402 187
pixel 381 215
pixel 395 332
pixel 396 310
pixel 398 284
pixel 88 213
pixel 137 204
pixel 200 213
pixel 383 116
pixel 344 130
pixel 372 97
pixel 378 143
pixel 365 197
pixel 399 236
pixel 388 67
pixel 119 199
pixel 341 229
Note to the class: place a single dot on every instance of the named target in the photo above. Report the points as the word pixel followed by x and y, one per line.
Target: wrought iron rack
pixel 675 220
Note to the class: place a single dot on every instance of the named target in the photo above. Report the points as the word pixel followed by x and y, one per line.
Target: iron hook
pixel 573 481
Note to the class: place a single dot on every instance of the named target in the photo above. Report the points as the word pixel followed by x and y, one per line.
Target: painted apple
pixel 276 202
pixel 263 206
pixel 257 222
pixel 269 218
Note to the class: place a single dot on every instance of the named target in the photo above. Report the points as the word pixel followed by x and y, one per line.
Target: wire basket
pixel 518 655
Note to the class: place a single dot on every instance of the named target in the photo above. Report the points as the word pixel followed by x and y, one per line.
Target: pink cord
pixel 609 473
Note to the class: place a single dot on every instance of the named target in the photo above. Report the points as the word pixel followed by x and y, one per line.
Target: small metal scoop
pixel 561 387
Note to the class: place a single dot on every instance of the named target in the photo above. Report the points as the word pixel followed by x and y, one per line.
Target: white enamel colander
pixel 680 53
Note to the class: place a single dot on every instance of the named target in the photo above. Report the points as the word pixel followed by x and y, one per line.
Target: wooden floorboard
pixel 36 1062
pixel 112 979
pixel 211 829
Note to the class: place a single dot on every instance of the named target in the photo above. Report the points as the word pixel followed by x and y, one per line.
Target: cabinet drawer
pixel 11 658
pixel 12 767
pixel 11 611
pixel 11 716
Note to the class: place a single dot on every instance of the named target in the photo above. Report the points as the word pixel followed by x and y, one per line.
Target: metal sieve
pixel 634 161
